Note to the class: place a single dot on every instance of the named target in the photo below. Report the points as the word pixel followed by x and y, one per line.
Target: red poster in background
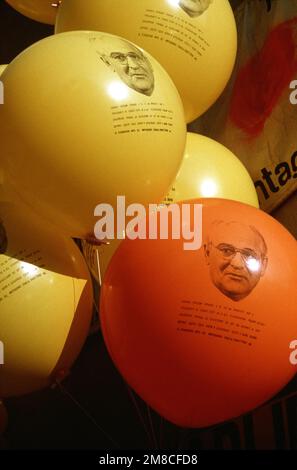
pixel 256 117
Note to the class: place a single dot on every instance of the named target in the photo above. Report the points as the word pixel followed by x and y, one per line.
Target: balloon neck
pixel 56 4
pixel 92 240
pixel 61 375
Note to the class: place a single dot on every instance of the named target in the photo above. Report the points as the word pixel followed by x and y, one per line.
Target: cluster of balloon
pixel 3 418
pixel 45 303
pixel 105 119
pixel 208 170
pixel 39 10
pixel 195 41
pixel 86 131
pixel 193 331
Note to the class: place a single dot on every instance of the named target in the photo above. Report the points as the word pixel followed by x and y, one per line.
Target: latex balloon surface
pixel 195 40
pixel 210 170
pixel 2 68
pixel 193 331
pixel 89 128
pixel 40 10
pixel 45 302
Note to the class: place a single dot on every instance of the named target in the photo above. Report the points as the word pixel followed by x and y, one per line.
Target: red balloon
pixel 203 335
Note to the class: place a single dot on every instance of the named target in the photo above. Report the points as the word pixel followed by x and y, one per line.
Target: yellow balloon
pixel 195 40
pixel 45 302
pixel 211 170
pixel 2 68
pixel 208 170
pixel 77 131
pixel 3 418
pixel 39 10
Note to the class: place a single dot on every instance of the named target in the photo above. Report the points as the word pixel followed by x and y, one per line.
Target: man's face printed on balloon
pixel 131 65
pixel 237 258
pixel 194 8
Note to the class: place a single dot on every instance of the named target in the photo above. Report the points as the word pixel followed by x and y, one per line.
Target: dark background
pixel 94 408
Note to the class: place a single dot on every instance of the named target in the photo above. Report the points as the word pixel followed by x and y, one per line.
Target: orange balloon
pixel 194 332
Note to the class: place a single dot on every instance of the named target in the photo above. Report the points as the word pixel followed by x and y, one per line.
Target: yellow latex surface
pixel 78 129
pixel 45 302
pixel 211 170
pixel 195 40
pixel 38 10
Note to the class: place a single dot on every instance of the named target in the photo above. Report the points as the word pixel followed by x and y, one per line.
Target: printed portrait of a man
pixel 130 64
pixel 236 255
pixel 194 8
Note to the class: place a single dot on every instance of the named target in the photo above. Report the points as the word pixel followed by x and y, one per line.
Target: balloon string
pixel 161 431
pixel 86 413
pixel 95 328
pixel 269 404
pixel 132 397
pixel 181 437
pixel 98 267
pixel 152 427
pixel 96 307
